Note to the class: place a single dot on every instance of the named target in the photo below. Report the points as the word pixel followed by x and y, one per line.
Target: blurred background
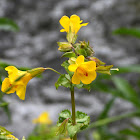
pixel 112 32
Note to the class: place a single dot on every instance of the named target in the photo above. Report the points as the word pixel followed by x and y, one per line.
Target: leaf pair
pixel 65 123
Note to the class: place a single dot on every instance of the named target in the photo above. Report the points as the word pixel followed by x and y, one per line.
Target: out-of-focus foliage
pixel 45 132
pixel 128 31
pixel 8 25
pixel 5 25
pixel 119 88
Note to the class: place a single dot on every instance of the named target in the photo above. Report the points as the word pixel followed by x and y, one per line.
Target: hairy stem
pixel 73 109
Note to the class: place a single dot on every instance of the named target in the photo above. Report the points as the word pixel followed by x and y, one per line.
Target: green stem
pixel 53 70
pixel 73 108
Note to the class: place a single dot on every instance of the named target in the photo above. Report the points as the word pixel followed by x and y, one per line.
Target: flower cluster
pixel 81 60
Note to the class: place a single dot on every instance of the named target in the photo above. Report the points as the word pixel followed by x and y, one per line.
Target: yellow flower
pixel 73 22
pixel 83 71
pixel 43 119
pixel 18 80
pixel 11 137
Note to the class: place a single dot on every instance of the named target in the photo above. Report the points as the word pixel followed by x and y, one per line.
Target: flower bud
pixel 84 49
pixel 104 69
pixel 98 62
pixel 72 60
pixel 36 71
pixel 64 46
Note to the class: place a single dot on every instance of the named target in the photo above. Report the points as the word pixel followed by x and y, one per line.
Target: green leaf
pixel 8 25
pixel 69 54
pixel 130 132
pixel 88 87
pixel 63 80
pixel 62 129
pixel 135 127
pixel 82 52
pixel 81 85
pixel 65 64
pixel 73 129
pixel 4 131
pixel 4 105
pixel 65 114
pixel 104 113
pixel 126 89
pixel 108 120
pixel 128 31
pixel 82 119
pixel 65 121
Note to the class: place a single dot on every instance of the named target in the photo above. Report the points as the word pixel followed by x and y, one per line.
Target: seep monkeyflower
pixel 83 71
pixel 18 80
pixel 73 23
pixel 43 119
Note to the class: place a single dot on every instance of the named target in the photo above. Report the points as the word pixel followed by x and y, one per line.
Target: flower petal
pixel 89 66
pixel 80 59
pixel 75 19
pixel 14 73
pixel 84 24
pixel 20 91
pixel 65 21
pixel 62 30
pixel 6 85
pixel 72 67
pixel 75 79
pixel 88 79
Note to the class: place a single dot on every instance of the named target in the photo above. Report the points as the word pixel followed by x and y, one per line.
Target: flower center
pixel 82 71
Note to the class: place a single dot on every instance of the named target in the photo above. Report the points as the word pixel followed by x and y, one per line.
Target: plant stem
pixel 73 108
pixel 53 70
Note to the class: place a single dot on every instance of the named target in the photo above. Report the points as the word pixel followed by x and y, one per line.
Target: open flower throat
pixel 83 71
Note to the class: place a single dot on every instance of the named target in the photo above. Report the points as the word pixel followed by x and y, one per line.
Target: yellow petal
pixel 84 24
pixel 72 67
pixel 89 78
pixel 75 79
pixel 62 30
pixel 14 73
pixel 6 85
pixel 65 21
pixel 89 66
pixel 75 19
pixel 80 59
pixel 20 91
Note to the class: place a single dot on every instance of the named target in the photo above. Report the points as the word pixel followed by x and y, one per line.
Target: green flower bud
pixel 98 62
pixel 84 49
pixel 64 46
pixel 36 71
pixel 104 69
pixel 72 60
